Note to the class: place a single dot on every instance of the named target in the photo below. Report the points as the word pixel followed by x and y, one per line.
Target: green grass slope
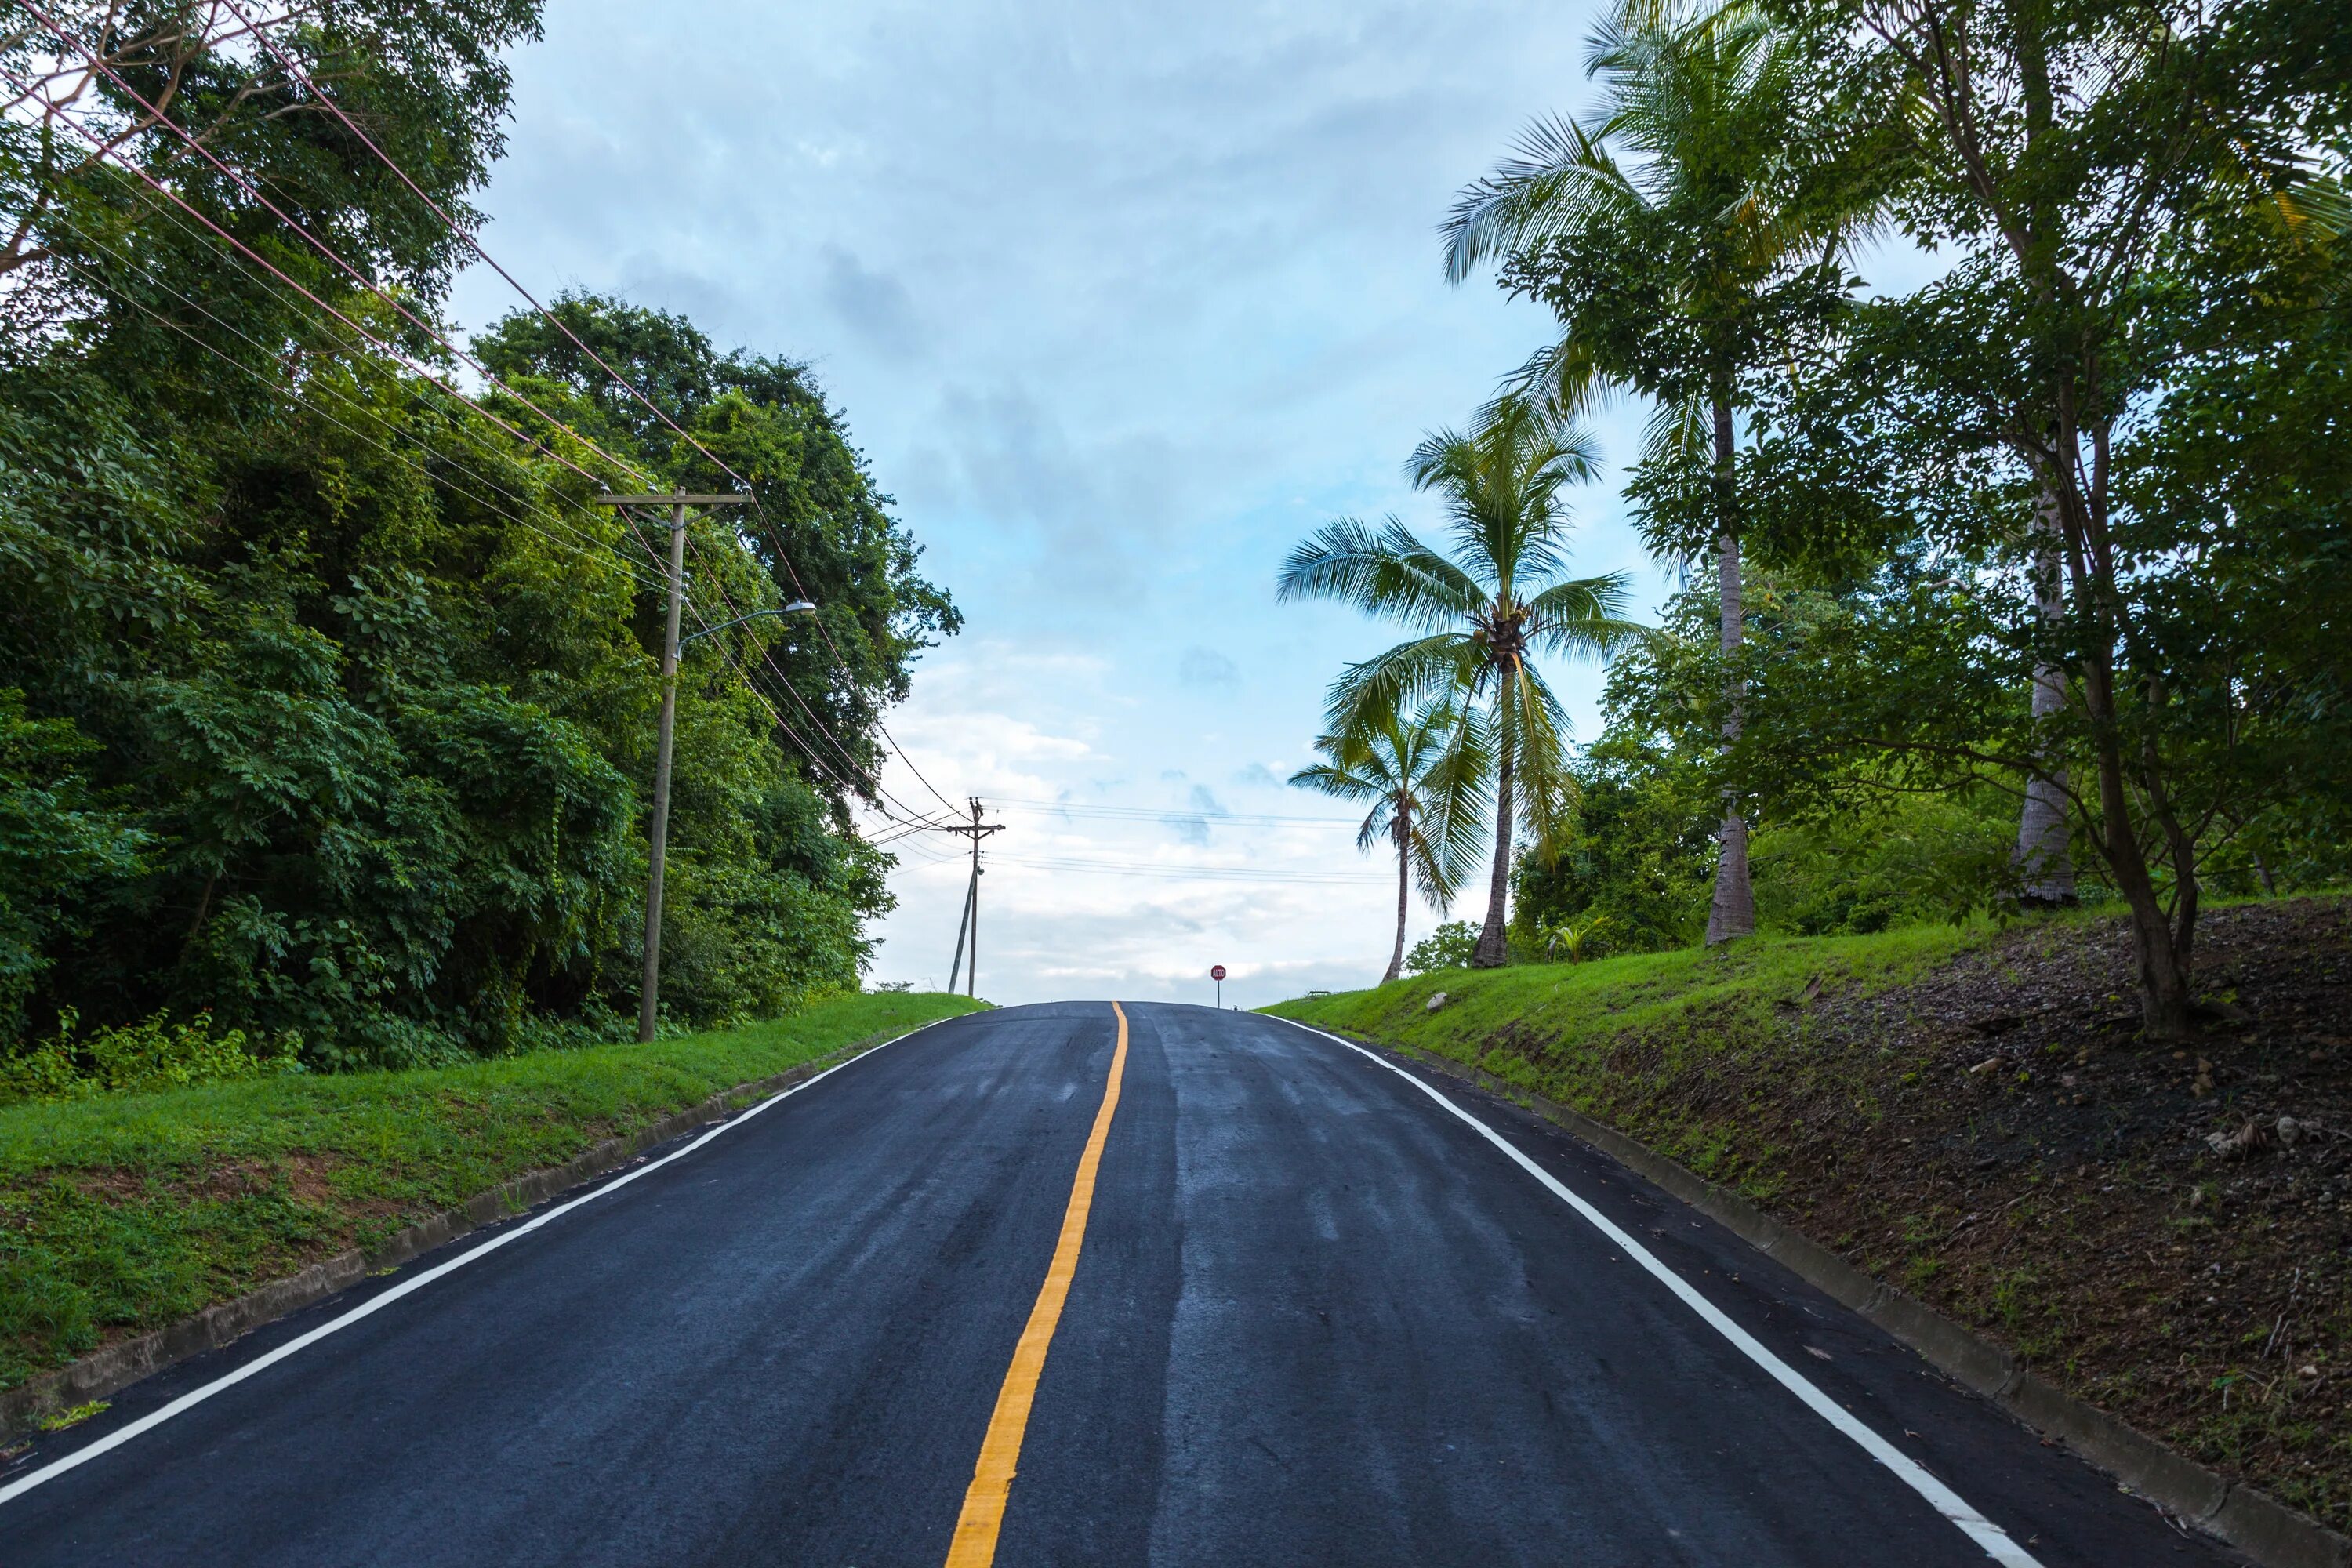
pixel 124 1213
pixel 1622 1039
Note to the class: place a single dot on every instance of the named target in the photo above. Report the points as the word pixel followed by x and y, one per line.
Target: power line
pixel 473 243
pixel 614 559
pixel 259 259
pixel 1153 814
pixel 618 561
pixel 1191 873
pixel 321 245
pixel 614 562
pixel 109 152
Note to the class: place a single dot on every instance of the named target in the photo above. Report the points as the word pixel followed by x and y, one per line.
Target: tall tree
pixel 1499 598
pixel 822 529
pixel 2128 188
pixel 1673 270
pixel 1422 775
pixel 106 98
pixel 328 702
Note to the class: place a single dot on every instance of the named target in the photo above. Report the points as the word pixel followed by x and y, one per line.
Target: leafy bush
pixel 374 768
pixel 1448 947
pixel 1914 861
pixel 1574 938
pixel 154 1053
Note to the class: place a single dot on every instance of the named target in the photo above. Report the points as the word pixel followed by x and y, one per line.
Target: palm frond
pixel 1501 484
pixel 1383 571
pixel 1583 616
pixel 1559 177
pixel 1538 729
pixel 1370 694
pixel 1559 382
pixel 1678 433
pixel 1455 824
pixel 1340 783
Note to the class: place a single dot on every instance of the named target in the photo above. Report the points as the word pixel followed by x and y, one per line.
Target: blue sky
pixel 1120 301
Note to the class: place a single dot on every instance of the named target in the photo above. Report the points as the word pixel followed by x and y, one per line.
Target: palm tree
pixel 1499 598
pixel 1663 270
pixel 1424 776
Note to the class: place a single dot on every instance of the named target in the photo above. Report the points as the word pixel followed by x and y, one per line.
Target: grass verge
pixel 1970 1115
pixel 121 1214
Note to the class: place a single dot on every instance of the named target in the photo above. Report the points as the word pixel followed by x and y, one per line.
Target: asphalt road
pixel 1316 1319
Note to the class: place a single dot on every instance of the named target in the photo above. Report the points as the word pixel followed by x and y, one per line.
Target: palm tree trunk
pixel 1494 942
pixel 1733 911
pixel 2045 870
pixel 1405 840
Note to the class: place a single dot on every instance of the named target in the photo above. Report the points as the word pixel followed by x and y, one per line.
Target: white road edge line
pixel 1997 1542
pixel 194 1397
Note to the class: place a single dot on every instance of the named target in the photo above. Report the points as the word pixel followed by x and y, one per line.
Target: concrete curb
pixel 119 1365
pixel 2245 1516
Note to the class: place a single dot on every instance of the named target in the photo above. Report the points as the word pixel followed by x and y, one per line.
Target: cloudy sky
pixel 1120 301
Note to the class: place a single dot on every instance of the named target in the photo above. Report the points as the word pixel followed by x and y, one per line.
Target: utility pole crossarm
pixel 968 926
pixel 680 499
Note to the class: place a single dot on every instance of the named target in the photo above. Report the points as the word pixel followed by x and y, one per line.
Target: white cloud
pixel 1119 300
pixel 1206 669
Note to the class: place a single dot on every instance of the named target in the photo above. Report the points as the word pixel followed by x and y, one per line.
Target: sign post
pixel 1217 973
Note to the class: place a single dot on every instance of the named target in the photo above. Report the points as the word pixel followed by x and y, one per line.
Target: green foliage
pixel 2101 455
pixel 1574 938
pixel 1854 853
pixel 429 82
pixel 1420 775
pixel 331 702
pixel 821 531
pixel 1637 848
pixel 1484 612
pixel 153 1053
pixel 1449 946
pixel 1911 860
pixel 57 846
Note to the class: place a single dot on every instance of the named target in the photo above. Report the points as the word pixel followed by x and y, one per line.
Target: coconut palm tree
pixel 1666 268
pixel 1424 776
pixel 1501 596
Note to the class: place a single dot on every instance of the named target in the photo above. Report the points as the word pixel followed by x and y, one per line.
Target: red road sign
pixel 1217 971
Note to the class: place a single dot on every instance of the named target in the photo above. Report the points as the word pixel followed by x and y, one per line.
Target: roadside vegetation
pixel 1972 1114
pixel 124 1211
pixel 1957 868
pixel 2020 588
pixel 327 686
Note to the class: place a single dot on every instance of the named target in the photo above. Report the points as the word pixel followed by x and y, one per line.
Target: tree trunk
pixel 2163 956
pixel 1733 911
pixel 1493 948
pixel 1403 841
pixel 2045 868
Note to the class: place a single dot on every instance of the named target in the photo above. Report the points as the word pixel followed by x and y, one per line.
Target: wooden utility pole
pixel 969 925
pixel 963 926
pixel 649 993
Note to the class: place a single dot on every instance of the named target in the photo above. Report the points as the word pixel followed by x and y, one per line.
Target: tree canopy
pixel 329 696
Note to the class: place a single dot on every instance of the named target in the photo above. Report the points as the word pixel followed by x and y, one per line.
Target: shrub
pixel 154 1053
pixel 1448 947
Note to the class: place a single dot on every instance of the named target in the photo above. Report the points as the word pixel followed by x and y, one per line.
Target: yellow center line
pixel 991 1479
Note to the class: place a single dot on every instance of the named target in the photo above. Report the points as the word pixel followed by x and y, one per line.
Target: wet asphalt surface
pixel 1317 1321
